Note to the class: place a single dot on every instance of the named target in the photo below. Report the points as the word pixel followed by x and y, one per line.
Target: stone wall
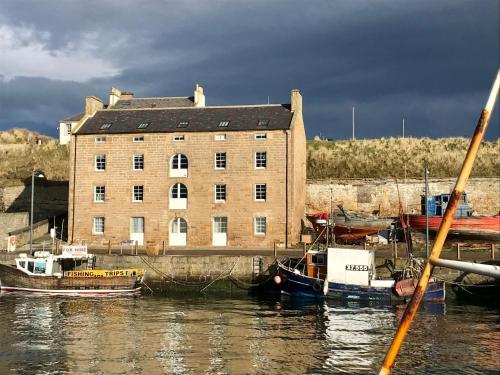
pixel 372 195
pixel 12 221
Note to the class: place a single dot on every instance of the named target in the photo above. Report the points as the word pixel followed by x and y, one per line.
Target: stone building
pixel 175 170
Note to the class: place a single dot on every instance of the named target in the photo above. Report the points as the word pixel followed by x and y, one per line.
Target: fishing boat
pixel 344 273
pixel 464 223
pixel 72 272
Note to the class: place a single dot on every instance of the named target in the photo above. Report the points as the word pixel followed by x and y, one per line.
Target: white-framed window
pixel 178 225
pixel 99 193
pixel 219 137
pixel 139 138
pixel 220 160
pixel 179 166
pixel 261 136
pixel 178 138
pixel 100 162
pixel 220 193
pixel 178 197
pixel 100 139
pixel 260 160
pixel 138 162
pixel 98 227
pixel 138 193
pixel 220 224
pixel 260 192
pixel 260 226
pixel 224 124
pixel 68 129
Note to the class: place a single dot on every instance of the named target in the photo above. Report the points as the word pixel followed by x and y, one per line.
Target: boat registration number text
pixel 356 267
pixel 106 273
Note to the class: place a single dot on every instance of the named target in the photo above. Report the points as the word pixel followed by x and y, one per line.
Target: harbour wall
pixel 380 196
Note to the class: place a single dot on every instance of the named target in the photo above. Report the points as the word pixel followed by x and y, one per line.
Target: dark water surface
pixel 241 335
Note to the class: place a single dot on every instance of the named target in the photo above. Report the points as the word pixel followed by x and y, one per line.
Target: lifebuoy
pixel 12 240
pixel 317 286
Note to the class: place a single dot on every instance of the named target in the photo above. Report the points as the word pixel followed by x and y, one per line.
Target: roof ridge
pixel 193 108
pixel 158 97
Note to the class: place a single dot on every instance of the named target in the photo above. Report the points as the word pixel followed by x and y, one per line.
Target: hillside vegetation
pixel 22 150
pixel 385 158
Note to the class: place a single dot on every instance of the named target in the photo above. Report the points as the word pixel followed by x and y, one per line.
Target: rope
pixel 220 276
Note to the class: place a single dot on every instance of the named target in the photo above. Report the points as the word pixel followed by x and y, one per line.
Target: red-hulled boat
pixel 464 224
pixel 346 233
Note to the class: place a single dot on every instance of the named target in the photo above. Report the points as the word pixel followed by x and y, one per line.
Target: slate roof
pixel 199 119
pixel 73 118
pixel 154 102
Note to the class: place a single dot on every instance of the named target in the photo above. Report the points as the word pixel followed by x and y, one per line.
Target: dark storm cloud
pixel 430 61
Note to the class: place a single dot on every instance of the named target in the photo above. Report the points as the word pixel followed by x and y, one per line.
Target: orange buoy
pixel 277 279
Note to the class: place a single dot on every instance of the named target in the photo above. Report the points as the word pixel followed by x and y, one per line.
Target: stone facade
pixel 284 177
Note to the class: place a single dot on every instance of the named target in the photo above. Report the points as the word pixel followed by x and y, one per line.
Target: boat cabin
pixel 437 205
pixel 316 262
pixel 44 263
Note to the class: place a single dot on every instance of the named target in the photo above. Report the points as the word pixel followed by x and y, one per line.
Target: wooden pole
pixel 163 246
pixel 109 247
pixel 470 157
pixel 136 248
pixel 493 251
pixel 458 250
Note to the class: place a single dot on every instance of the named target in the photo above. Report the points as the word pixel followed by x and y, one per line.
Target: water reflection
pixel 191 335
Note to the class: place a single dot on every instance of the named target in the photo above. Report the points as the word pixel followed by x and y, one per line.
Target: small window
pixel 220 193
pixel 178 138
pixel 100 139
pixel 260 192
pixel 224 124
pixel 139 138
pixel 100 162
pixel 260 160
pixel 138 162
pixel 261 136
pixel 106 125
pixel 183 124
pixel 143 125
pixel 138 193
pixel 220 137
pixel 98 225
pixel 99 193
pixel 260 225
pixel 263 122
pixel 220 160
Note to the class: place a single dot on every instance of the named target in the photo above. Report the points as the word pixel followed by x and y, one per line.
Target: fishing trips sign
pixel 106 273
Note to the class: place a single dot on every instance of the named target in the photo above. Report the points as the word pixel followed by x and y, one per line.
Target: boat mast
pixel 426 172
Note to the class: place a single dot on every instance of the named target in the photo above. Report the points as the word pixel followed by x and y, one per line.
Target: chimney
pixel 114 96
pixel 127 95
pixel 296 101
pixel 199 97
pixel 92 105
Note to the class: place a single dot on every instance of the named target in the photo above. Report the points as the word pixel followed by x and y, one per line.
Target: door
pixel 219 231
pixel 137 230
pixel 178 232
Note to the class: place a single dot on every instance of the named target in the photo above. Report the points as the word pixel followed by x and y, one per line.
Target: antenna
pixel 268 99
pixel 403 127
pixel 353 138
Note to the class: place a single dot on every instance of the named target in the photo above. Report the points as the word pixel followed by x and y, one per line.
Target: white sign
pixel 52 232
pixel 74 250
pixel 11 243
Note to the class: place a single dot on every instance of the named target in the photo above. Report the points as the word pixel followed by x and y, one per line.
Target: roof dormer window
pixel 106 125
pixel 263 122
pixel 183 124
pixel 224 124
pixel 143 125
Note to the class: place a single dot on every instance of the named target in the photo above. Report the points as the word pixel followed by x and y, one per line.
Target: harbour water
pixel 238 335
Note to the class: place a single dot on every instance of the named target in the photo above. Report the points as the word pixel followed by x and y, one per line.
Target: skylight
pixel 224 124
pixel 183 124
pixel 143 125
pixel 263 122
pixel 105 126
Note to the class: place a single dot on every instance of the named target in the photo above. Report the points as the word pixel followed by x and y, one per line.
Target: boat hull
pixel 298 285
pixel 472 226
pixel 14 280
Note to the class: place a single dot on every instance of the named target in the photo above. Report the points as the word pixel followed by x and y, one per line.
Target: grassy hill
pixel 22 150
pixel 379 158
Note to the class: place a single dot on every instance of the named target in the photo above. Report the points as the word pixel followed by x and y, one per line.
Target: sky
pixel 431 62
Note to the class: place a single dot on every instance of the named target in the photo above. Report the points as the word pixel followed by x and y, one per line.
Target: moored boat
pixel 69 273
pixel 341 273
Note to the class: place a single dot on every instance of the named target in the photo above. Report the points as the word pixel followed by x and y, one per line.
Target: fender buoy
pixel 317 286
pixel 277 279
pixel 12 240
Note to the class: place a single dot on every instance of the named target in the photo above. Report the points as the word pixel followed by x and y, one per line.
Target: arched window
pixel 177 232
pixel 178 166
pixel 178 197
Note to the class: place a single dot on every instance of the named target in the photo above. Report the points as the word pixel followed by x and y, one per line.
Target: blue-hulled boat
pixel 342 273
